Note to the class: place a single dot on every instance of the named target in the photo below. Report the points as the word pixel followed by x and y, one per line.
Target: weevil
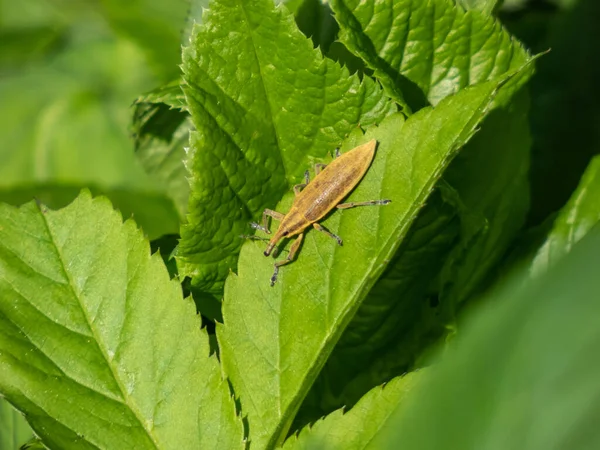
pixel 314 199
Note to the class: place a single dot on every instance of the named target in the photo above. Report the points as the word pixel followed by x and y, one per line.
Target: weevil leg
pixel 265 221
pixel 337 152
pixel 369 203
pixel 299 187
pixel 319 167
pixel 320 227
pixel 289 258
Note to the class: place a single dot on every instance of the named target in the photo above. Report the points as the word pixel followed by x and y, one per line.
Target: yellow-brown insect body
pixel 325 191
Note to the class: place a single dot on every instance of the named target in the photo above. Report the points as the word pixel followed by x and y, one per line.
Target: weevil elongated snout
pixel 269 249
pixel 280 234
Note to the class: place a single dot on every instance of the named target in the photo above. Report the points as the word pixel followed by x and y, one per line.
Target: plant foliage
pixel 139 141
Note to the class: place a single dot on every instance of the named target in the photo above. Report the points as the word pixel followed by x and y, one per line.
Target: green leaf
pixel 395 322
pixel 155 26
pixel 194 16
pixel 578 217
pixel 485 6
pixel 97 346
pixel 292 5
pixel 360 427
pixel 14 430
pixel 490 180
pixel 33 444
pixel 315 20
pixel 64 127
pixel 146 206
pixel 524 374
pixel 170 94
pixel 265 104
pixel 274 341
pixel 447 256
pixel 424 51
pixel 161 129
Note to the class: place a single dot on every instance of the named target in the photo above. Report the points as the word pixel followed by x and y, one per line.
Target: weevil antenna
pixel 253 237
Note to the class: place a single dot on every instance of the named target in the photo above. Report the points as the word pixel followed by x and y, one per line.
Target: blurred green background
pixel 564 117
pixel 69 73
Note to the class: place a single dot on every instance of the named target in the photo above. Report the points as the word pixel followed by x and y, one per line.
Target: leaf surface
pixel 265 104
pixel 491 192
pixel 578 217
pixel 458 239
pixel 14 430
pixel 397 320
pixel 194 16
pixel 161 129
pixel 97 346
pixel 274 341
pixel 315 20
pixel 485 6
pixel 524 372
pixel 358 428
pixel 424 51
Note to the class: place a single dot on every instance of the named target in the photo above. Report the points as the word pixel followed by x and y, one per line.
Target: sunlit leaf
pixel 265 105
pixel 97 345
pixel 272 360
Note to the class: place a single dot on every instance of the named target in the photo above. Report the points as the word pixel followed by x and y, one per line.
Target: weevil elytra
pixel 314 199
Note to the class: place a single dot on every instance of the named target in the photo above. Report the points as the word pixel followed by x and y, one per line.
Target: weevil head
pixel 279 235
pixel 270 247
pixel 291 225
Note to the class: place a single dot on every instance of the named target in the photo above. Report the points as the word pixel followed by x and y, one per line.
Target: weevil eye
pixel 285 233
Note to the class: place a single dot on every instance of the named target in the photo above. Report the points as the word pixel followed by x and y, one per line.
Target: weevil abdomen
pixel 334 182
